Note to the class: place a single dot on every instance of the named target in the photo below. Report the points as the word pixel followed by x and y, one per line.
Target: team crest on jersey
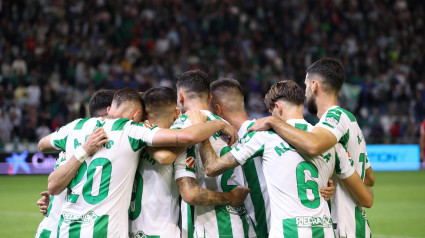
pixel 148 125
pixel 239 210
pixel 190 162
pixel 87 218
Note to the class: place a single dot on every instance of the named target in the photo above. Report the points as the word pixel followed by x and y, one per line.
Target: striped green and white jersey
pixel 293 184
pixel 154 208
pixel 257 203
pixel 348 214
pixel 49 225
pixel 211 221
pixel 99 198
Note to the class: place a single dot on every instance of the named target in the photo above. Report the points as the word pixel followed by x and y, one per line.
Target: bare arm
pixel 313 143
pixel 192 134
pixel 44 144
pixel 60 178
pixel 165 155
pixel 214 165
pixel 369 179
pixel 362 193
pixel 196 195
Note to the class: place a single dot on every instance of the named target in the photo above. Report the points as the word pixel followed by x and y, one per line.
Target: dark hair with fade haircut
pixel 286 90
pixel 127 94
pixel 331 71
pixel 195 81
pixel 100 101
pixel 225 85
pixel 160 96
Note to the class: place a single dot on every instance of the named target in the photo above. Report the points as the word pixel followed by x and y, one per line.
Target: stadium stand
pixel 54 54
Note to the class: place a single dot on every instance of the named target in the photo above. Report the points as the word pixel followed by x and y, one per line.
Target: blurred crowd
pixel 55 53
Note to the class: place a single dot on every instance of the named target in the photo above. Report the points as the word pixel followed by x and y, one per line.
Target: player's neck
pixel 161 122
pixel 236 119
pixel 325 102
pixel 290 111
pixel 195 105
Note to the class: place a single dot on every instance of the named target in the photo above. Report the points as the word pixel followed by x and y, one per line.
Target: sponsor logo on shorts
pixel 314 222
pixel 87 218
pixel 239 210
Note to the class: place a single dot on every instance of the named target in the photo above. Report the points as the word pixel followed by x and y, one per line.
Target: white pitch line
pixel 15 213
pixel 390 236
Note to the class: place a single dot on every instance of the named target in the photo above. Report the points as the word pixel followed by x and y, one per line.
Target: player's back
pixel 293 183
pixel 215 221
pixel 350 217
pixel 100 192
pixel 154 209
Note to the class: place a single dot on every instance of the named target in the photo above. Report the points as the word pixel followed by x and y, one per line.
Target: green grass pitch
pixel 398 209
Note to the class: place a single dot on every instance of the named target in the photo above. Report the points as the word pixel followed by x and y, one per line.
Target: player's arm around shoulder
pixel 193 134
pixel 313 143
pixel 60 178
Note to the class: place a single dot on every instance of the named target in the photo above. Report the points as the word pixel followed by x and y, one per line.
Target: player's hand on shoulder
pixel 261 124
pixel 238 196
pixel 95 141
pixel 329 191
pixel 196 117
pixel 231 132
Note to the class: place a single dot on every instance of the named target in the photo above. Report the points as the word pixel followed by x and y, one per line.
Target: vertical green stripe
pixel 59 226
pixel 50 205
pixel 45 233
pixel 101 227
pixel 290 229
pixel 223 222
pixel 318 232
pixel 190 214
pixel 74 229
pixel 245 225
pixel 256 197
pixel 360 224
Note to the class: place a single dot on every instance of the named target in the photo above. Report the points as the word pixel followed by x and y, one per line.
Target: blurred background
pixel 55 54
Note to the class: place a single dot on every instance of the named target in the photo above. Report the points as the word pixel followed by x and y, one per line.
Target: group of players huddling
pixel 164 164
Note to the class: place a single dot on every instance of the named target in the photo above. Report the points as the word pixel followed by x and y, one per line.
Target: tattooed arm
pixel 196 195
pixel 213 164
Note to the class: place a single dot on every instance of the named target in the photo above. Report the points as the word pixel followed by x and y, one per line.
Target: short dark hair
pixel 127 94
pixel 100 101
pixel 226 85
pixel 286 90
pixel 330 70
pixel 160 96
pixel 194 81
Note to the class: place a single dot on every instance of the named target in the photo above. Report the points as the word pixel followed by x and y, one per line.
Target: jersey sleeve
pixel 343 164
pixel 367 165
pixel 141 135
pixel 185 164
pixel 58 138
pixel 248 147
pixel 336 122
